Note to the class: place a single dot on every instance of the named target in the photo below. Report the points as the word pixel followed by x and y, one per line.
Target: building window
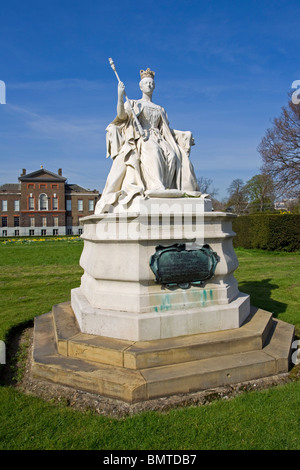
pixel 30 185
pixel 54 186
pixel 17 233
pixel 31 233
pixel 42 186
pixel 91 205
pixel 55 204
pixel 43 200
pixel 31 221
pixel 80 231
pixel 43 232
pixel 80 205
pixel 55 221
pixel 31 203
pixel 4 206
pixel 69 205
pixel 69 231
pixel 44 221
pixel 16 221
pixel 16 205
pixel 55 231
pixel 4 233
pixel 4 221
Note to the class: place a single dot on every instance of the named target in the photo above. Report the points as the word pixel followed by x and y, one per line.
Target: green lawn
pixel 35 276
pixel 273 282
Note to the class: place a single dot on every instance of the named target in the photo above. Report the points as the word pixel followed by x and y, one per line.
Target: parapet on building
pixel 42 204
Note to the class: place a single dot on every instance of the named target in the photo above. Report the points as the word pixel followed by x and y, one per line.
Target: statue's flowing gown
pixel 156 162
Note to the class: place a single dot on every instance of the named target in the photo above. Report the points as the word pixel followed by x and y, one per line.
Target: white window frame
pixel 80 205
pixel 91 205
pixel 31 203
pixel 55 206
pixel 45 197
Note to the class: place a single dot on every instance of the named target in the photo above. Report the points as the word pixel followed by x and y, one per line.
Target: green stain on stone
pixel 166 304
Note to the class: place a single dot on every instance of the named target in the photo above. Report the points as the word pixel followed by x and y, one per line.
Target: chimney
pixel 23 172
pixel 60 172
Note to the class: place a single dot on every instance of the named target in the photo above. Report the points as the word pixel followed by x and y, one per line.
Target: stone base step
pixel 104 368
pixel 80 374
pixel 145 354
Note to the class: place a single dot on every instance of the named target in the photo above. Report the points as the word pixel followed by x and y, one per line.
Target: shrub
pixel 274 232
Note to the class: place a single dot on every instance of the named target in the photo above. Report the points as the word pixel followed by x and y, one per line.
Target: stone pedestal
pixel 119 297
pixel 127 337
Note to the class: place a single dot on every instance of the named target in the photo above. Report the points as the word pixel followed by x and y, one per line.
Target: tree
pixel 280 151
pixel 205 186
pixel 238 197
pixel 260 190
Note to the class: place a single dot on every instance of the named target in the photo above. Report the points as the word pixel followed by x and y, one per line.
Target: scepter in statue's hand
pixel 140 129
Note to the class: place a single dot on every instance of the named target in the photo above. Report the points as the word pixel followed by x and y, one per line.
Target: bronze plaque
pixel 177 266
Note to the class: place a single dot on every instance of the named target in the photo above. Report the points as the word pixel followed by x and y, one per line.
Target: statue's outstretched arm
pixel 120 106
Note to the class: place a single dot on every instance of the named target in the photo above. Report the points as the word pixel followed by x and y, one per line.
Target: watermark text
pixel 296 94
pixel 2 353
pixel 2 92
pixel 151 459
pixel 296 353
pixel 159 221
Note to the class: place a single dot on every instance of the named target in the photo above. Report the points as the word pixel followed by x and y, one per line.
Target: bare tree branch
pixel 280 151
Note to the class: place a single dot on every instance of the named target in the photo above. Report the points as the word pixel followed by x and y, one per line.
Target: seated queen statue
pixel 149 158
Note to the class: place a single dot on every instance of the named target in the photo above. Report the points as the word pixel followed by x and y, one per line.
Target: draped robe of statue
pixel 158 162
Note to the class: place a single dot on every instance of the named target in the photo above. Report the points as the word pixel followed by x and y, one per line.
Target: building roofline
pixel 34 176
pixel 75 188
pixel 10 187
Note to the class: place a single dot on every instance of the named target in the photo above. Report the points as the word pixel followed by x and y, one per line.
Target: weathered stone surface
pixel 139 371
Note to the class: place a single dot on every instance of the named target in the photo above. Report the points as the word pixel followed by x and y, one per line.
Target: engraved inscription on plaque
pixel 176 266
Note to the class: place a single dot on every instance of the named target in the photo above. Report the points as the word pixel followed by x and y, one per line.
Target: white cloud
pixel 83 132
pixel 61 84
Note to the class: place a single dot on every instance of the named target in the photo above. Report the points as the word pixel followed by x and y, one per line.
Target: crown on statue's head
pixel 147 73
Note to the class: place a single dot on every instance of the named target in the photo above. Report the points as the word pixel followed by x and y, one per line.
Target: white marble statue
pixel 148 157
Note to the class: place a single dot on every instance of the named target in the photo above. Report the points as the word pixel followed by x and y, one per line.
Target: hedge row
pixel 280 232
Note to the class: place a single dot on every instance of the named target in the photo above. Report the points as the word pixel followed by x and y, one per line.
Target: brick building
pixel 42 204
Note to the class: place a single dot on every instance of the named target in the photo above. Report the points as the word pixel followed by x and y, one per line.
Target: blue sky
pixel 223 70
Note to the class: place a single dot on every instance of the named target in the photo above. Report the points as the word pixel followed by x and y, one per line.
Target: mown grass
pixel 273 281
pixel 257 420
pixel 33 277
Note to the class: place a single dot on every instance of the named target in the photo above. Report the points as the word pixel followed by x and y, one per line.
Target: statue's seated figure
pixel 148 157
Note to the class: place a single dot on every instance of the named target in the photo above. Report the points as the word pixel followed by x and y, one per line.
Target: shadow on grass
pixel 261 295
pixel 16 354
